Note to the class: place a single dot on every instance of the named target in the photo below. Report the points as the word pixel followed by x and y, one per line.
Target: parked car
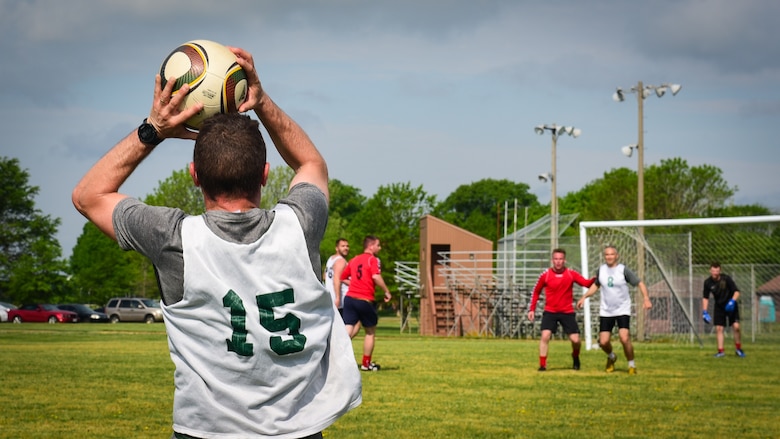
pixel 86 314
pixel 42 313
pixel 4 308
pixel 134 309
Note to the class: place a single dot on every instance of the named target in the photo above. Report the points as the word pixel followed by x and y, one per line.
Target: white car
pixel 4 307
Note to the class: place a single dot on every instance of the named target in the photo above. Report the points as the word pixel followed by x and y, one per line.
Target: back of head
pixel 368 240
pixel 230 156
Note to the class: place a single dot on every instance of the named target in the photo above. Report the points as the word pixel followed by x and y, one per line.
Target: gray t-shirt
pixel 155 232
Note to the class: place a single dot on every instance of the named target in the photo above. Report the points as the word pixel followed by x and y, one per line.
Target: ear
pixel 194 174
pixel 266 169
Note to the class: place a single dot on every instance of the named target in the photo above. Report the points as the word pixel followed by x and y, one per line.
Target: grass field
pixel 115 381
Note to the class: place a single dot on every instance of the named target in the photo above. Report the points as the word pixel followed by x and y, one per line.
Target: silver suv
pixel 134 309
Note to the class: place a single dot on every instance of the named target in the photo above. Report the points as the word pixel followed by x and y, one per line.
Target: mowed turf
pixel 115 381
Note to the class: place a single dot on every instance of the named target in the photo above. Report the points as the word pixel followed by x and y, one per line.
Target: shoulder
pixel 137 225
pixel 310 206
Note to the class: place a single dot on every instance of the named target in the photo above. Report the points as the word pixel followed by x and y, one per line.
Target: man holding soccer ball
pixel 726 309
pixel 258 347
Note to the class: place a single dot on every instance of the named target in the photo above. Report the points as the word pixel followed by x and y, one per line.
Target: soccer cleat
pixel 542 369
pixel 740 353
pixel 372 367
pixel 576 365
pixel 720 355
pixel 632 370
pixel 611 363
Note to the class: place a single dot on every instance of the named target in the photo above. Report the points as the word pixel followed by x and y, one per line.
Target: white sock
pixel 631 364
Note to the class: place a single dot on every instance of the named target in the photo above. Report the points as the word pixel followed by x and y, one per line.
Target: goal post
pixel 672 257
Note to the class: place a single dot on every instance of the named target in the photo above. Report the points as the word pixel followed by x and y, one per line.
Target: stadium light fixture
pixel 642 91
pixel 555 130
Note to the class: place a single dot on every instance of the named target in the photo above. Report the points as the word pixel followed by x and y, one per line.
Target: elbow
pixel 77 199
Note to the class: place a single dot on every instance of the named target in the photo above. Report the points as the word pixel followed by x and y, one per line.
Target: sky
pixel 435 93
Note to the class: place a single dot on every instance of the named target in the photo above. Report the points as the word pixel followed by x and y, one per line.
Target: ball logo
pixel 198 62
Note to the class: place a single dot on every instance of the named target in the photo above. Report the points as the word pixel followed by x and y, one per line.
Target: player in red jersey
pixel 558 282
pixel 364 272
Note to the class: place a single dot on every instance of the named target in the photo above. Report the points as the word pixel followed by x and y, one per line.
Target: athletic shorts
pixel 722 318
pixel 568 322
pixel 607 323
pixel 363 311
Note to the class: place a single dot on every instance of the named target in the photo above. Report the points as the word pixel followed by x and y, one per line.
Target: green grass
pixel 89 380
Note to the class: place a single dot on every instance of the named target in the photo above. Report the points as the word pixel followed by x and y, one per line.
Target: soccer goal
pixel 672 257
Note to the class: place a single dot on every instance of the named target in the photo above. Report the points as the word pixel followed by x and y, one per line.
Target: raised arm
pixel 293 144
pixel 96 195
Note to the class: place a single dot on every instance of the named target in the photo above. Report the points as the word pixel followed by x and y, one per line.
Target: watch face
pixel 148 134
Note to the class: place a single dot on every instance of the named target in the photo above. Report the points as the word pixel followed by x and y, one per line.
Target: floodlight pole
pixel 554 195
pixel 640 90
pixel 556 130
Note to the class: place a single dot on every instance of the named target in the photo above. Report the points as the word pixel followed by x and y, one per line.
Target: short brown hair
pixel 230 156
pixel 368 240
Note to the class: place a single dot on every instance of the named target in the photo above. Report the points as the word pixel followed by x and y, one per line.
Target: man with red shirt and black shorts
pixel 364 272
pixel 558 282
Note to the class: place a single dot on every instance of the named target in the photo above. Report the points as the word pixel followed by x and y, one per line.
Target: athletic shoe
pixel 611 363
pixel 576 365
pixel 740 353
pixel 542 369
pixel 372 367
pixel 632 370
pixel 720 355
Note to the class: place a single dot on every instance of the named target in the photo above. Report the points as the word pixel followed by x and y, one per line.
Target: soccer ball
pixel 214 76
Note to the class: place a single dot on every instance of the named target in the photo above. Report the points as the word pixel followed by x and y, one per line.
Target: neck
pixel 231 205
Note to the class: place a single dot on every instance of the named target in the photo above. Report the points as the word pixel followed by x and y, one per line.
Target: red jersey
pixel 558 289
pixel 360 271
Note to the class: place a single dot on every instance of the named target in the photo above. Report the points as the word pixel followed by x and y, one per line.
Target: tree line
pixel 32 268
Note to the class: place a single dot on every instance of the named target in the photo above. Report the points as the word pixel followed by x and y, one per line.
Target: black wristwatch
pixel 147 134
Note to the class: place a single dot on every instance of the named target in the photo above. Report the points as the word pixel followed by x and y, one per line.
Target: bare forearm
pixel 293 144
pixel 98 191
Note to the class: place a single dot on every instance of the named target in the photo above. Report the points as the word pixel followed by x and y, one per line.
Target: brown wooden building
pixel 447 249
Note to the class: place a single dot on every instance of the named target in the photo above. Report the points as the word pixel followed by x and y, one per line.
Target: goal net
pixel 673 257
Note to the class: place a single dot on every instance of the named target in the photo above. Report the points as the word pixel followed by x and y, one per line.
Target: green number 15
pixel 266 303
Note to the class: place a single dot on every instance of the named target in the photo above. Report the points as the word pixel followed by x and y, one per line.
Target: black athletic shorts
pixel 722 318
pixel 607 323
pixel 363 311
pixel 568 322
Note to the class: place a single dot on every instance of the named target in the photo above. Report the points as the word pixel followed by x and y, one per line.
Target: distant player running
pixel 558 282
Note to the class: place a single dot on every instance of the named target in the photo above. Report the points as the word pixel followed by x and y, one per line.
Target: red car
pixel 41 313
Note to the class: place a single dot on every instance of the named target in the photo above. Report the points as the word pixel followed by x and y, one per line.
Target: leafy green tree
pixel 345 200
pixel 31 268
pixel 345 203
pixel 674 189
pixel 612 197
pixel 179 191
pixel 476 206
pixel 101 269
pixel 276 186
